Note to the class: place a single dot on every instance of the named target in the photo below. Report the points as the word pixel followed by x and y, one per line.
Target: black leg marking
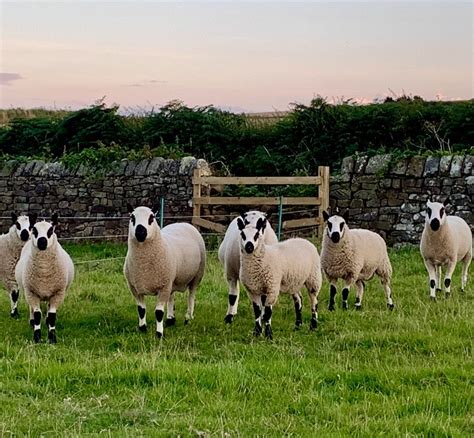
pixel 432 284
pixel 264 299
pixel 232 299
pixel 37 336
pixel 142 328
pixel 298 313
pixel 14 313
pixel 257 331
pixel 229 318
pixel 267 316
pixel 268 332
pixel 345 295
pixel 256 310
pixel 32 323
pixel 159 315
pixel 159 335
pixel 141 312
pixel 37 317
pixel 51 319
pixel 447 282
pixel 169 322
pixel 52 337
pixel 15 295
pixel 332 298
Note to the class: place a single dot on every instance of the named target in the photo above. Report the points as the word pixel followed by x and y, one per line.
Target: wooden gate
pixel 321 183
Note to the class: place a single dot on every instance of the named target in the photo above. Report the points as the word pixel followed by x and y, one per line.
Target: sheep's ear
pixel 14 217
pixel 269 214
pixel 240 223
pixel 325 216
pixel 54 219
pixel 447 201
pixel 345 216
pixel 130 208
pixel 33 217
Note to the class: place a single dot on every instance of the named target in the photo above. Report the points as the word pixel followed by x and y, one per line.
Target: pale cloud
pixel 8 78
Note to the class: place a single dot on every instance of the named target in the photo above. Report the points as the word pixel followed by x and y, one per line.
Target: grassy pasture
pixel 403 373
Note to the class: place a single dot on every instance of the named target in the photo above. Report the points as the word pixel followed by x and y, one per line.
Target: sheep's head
pixel 251 233
pixel 336 225
pixel 23 225
pixel 43 235
pixel 436 214
pixel 142 220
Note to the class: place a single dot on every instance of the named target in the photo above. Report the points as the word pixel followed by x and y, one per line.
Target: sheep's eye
pixel 330 226
pixel 428 210
pixel 441 212
pixel 17 224
pixel 35 232
pixel 50 232
pixel 243 235
pixel 151 219
pixel 341 226
pixel 256 236
pixel 132 218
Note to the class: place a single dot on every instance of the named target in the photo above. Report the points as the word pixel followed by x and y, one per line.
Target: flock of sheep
pixel 162 261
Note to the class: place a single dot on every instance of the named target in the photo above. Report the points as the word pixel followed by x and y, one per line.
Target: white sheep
pixel 229 256
pixel 445 241
pixel 11 245
pixel 267 269
pixel 353 255
pixel 160 262
pixel 44 272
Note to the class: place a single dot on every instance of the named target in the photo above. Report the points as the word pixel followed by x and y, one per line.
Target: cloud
pixel 146 83
pixel 8 78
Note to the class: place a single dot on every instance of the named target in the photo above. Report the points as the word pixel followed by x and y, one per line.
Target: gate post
pixel 323 194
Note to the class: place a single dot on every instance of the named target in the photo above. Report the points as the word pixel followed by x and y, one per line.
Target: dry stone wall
pixel 389 196
pixel 43 188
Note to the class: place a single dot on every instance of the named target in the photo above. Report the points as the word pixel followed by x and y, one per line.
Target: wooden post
pixel 196 194
pixel 323 193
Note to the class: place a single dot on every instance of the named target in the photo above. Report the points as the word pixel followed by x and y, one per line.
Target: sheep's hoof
pixel 331 307
pixel 171 321
pixel 313 324
pixel 298 324
pixel 37 336
pixel 462 291
pixel 229 318
pixel 433 299
pixel 268 332
pixel 159 335
pixel 186 321
pixel 142 328
pixel 52 336
pixel 345 306
pixel 257 331
pixel 390 306
pixel 438 289
pixel 14 313
pixel 358 307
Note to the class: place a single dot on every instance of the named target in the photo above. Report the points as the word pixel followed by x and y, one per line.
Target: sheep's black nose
pixel 24 235
pixel 249 248
pixel 140 233
pixel 42 243
pixel 435 224
pixel 335 237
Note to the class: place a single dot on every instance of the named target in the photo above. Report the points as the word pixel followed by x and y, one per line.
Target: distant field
pixel 409 372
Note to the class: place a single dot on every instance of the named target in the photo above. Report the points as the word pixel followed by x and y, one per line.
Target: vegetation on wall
pixel 310 135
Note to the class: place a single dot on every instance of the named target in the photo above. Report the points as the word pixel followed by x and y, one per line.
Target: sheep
pixel 267 269
pixel 160 262
pixel 354 255
pixel 11 245
pixel 44 272
pixel 229 256
pixel 445 241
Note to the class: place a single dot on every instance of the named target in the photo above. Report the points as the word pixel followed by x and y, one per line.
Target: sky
pixel 242 56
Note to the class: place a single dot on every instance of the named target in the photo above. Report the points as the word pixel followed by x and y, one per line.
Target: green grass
pixel 403 373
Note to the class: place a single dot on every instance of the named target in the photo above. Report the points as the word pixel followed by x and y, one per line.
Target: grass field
pixel 403 373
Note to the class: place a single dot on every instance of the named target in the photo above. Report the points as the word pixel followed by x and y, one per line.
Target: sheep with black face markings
pixel 160 262
pixel 229 256
pixel 445 241
pixel 44 272
pixel 353 255
pixel 11 245
pixel 267 269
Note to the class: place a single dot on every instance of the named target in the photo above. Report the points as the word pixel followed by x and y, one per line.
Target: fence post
pixel 162 211
pixel 196 194
pixel 280 214
pixel 323 194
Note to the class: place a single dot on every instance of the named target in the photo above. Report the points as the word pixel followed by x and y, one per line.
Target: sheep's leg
pixel 36 313
pixel 431 268
pixel 234 292
pixel 267 320
pixel 313 300
pixel 438 280
pixel 360 286
pixel 298 309
pixel 388 292
pixel 332 296
pixel 141 308
pixel 51 324
pixel 466 261
pixel 14 296
pixel 257 310
pixel 449 274
pixel 160 312
pixel 170 318
pixel 345 295
pixel 191 299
